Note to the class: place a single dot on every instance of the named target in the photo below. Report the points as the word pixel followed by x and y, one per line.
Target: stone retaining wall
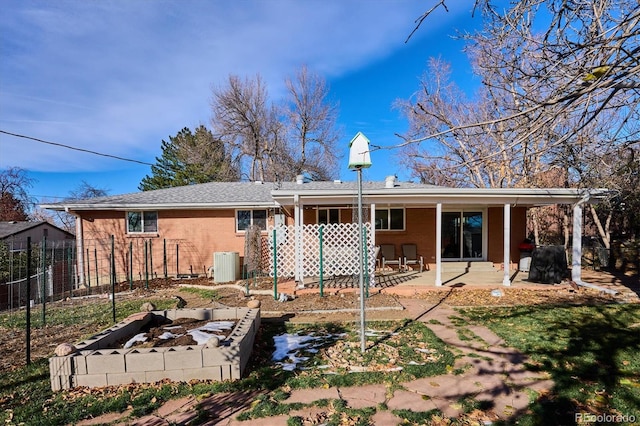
pixel 95 363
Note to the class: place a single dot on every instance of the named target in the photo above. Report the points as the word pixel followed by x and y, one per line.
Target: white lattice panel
pixel 339 249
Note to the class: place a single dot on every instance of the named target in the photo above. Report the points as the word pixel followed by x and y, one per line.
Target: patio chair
pixel 389 256
pixel 411 256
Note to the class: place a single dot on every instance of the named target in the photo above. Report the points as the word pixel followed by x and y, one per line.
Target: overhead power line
pixel 75 148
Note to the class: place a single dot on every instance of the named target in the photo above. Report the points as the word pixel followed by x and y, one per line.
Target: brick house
pixel 445 224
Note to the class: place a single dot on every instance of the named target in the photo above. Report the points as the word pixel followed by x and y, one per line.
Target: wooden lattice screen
pixel 339 250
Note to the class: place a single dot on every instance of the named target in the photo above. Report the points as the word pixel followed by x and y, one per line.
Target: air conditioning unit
pixel 226 266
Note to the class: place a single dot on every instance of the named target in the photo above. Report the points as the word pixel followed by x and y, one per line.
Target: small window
pixel 390 219
pixel 326 216
pixel 246 218
pixel 142 222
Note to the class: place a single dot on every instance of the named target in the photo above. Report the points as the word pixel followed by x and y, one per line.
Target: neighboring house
pixel 446 224
pixel 15 233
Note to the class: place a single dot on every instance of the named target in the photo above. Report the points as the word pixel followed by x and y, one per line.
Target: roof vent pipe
pixel 389 181
pixel 300 179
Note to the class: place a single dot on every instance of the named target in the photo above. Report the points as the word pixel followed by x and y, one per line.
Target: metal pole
pixel 275 267
pixel 177 258
pixel 164 257
pixel 95 259
pixel 44 279
pixel 88 272
pixel 146 266
pixel 28 326
pixel 113 278
pixel 70 270
pixel 366 262
pixel 363 341
pixel 151 258
pixel 321 264
pixel 130 265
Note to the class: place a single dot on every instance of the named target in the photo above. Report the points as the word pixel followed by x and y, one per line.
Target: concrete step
pixel 479 266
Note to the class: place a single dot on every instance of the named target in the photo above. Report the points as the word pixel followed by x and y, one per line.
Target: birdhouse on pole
pixel 359 156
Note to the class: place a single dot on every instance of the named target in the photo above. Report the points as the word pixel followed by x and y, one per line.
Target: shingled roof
pixel 226 195
pixel 211 195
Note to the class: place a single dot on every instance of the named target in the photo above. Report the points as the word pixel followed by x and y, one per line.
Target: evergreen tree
pixel 189 158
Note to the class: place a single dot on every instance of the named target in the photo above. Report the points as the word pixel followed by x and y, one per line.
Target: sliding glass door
pixel 462 235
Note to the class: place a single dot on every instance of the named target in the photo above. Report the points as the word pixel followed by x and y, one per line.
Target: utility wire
pixel 75 148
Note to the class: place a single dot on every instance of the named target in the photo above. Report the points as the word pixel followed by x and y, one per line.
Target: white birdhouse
pixel 359 156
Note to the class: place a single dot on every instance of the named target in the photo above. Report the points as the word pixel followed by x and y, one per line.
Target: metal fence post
pixel 88 272
pixel 95 258
pixel 130 265
pixel 44 279
pixel 164 257
pixel 146 266
pixel 275 267
pixel 28 319
pixel 320 230
pixel 151 257
pixel 113 278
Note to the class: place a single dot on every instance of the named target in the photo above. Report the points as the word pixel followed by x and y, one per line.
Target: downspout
pixel 576 250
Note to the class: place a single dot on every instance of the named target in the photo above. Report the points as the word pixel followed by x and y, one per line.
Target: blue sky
pixel 118 77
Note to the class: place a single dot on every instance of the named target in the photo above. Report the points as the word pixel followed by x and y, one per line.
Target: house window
pixel 326 216
pixel 141 222
pixel 246 218
pixel 390 219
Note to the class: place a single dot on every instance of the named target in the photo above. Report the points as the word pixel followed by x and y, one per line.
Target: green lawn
pixel 591 352
pixel 26 397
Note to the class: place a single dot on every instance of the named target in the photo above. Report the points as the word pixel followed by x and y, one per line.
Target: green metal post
pixel 151 258
pixel 95 258
pixel 275 267
pixel 28 326
pixel 70 270
pixel 366 262
pixel 164 257
pixel 321 264
pixel 113 278
pixel 88 272
pixel 44 279
pixel 130 265
pixel 146 266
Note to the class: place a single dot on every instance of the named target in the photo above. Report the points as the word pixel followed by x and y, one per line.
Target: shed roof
pixel 9 229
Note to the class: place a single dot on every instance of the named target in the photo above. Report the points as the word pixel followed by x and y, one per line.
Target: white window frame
pixel 142 227
pixel 251 220
pixel 388 210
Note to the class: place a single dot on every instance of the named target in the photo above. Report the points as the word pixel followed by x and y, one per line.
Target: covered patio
pixel 448 225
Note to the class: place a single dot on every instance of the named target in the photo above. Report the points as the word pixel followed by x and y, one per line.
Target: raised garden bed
pixel 102 361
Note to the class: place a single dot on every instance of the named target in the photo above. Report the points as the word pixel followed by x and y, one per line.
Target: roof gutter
pixel 187 206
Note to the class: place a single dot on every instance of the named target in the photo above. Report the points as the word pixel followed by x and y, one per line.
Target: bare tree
pixel 246 123
pixel 562 60
pixel 15 201
pixel 277 141
pixel 311 121
pixel 459 152
pixel 565 75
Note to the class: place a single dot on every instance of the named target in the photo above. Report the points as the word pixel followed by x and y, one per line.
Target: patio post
pixel 576 249
pixel 507 239
pixel 298 225
pixel 439 244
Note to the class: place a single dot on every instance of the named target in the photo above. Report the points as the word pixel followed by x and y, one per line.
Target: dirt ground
pixel 336 305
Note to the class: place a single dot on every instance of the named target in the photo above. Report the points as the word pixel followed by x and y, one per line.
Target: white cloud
pixel 120 76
